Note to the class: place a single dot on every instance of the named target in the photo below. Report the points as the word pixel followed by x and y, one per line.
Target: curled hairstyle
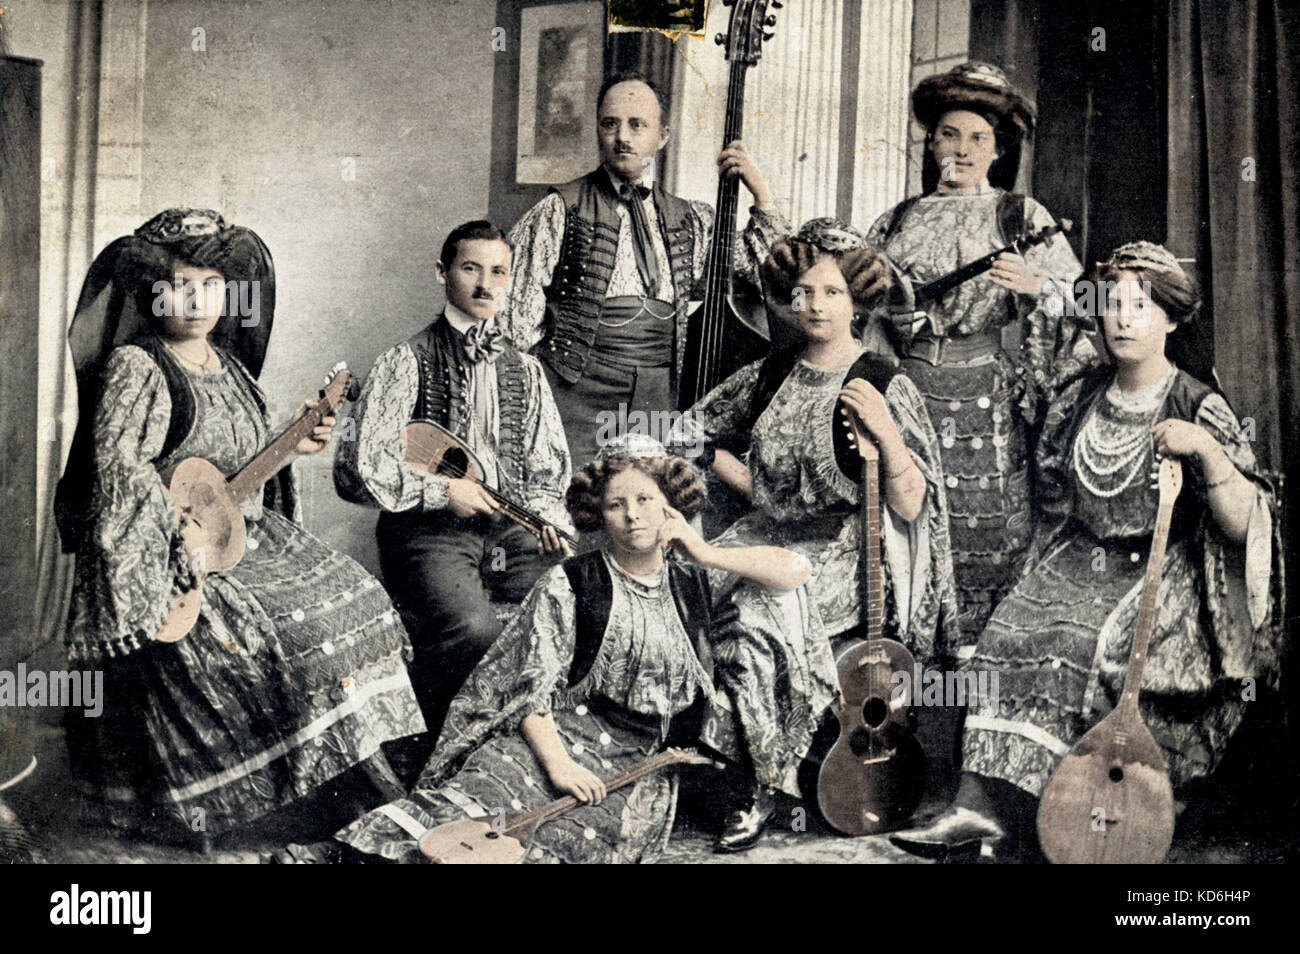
pixel 677 479
pixel 480 229
pixel 864 271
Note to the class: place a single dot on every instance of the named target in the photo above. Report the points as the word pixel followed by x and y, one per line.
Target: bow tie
pixel 627 191
pixel 483 343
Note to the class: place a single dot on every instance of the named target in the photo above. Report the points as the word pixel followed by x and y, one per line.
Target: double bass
pixel 872 778
pixel 721 338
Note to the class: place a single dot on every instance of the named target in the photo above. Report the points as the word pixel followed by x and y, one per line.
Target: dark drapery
pixel 1233 145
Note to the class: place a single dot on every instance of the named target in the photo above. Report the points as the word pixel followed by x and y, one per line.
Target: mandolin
pixel 207 503
pixel 871 779
pixel 719 338
pixel 936 289
pixel 1110 800
pixel 476 842
pixel 435 450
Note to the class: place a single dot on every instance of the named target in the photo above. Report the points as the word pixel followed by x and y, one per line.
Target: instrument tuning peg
pixel 768 36
pixel 353 390
pixel 777 5
pixel 720 39
pixel 769 21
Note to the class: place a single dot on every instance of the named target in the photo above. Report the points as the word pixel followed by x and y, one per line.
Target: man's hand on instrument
pixel 572 779
pixel 1012 271
pixel 550 542
pixel 320 435
pixel 735 161
pixel 468 497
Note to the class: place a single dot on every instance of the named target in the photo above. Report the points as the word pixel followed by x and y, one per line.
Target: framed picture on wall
pixel 561 63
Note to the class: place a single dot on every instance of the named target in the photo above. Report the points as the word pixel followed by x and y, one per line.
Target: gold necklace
pixel 201 368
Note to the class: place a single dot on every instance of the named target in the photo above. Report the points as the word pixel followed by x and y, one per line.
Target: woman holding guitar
pixel 293 674
pixel 801 473
pixel 607 662
pixel 1061 640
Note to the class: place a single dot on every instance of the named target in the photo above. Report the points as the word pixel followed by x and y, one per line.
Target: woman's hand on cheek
pixel 675 530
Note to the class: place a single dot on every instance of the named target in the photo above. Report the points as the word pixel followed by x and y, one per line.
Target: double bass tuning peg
pixel 777 5
pixel 720 39
pixel 768 36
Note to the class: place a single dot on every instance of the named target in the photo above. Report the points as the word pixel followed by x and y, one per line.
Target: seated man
pixel 446 550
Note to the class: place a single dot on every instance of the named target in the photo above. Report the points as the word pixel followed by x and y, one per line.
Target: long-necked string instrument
pixel 476 842
pixel 719 339
pixel 207 503
pixel 436 450
pixel 1110 800
pixel 936 289
pixel 871 779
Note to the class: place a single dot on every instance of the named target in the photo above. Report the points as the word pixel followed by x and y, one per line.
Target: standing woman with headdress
pixel 980 393
pixel 1061 639
pixel 294 672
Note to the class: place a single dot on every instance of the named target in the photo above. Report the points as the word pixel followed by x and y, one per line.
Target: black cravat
pixel 642 240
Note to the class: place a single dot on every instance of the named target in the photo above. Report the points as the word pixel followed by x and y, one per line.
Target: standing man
pixel 445 550
pixel 606 264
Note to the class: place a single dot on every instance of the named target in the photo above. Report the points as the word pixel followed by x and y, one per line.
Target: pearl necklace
pixel 1105 448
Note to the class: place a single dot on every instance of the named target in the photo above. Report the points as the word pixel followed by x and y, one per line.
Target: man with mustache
pixel 445 550
pixel 606 265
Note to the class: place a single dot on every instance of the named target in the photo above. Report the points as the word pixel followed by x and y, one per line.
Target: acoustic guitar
pixel 207 503
pixel 1110 801
pixel 435 450
pixel 476 842
pixel 720 338
pixel 871 779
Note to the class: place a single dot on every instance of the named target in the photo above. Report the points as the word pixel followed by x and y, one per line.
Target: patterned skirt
pixel 503 776
pixel 294 673
pixel 982 441
pixel 1054 680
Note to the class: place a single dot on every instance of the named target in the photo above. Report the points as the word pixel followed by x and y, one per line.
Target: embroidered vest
pixel 577 288
pixel 442 398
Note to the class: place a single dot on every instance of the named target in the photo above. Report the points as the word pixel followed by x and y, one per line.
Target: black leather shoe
pixel 746 823
pixel 957 831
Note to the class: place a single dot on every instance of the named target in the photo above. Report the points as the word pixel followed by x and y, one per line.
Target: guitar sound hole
pixel 454 461
pixel 1116 773
pixel 874 712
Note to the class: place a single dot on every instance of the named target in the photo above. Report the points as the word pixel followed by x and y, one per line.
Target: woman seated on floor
pixel 607 662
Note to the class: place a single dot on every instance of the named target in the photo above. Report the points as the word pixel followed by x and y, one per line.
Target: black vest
pixel 1181 403
pixel 442 397
pixel 72 497
pixel 581 277
pixel 593 590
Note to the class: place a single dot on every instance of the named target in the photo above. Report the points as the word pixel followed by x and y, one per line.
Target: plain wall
pixel 259 125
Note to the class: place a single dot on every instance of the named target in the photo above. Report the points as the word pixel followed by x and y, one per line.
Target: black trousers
pixel 444 573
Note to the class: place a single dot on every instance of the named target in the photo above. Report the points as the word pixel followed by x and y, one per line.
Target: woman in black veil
pixel 294 674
